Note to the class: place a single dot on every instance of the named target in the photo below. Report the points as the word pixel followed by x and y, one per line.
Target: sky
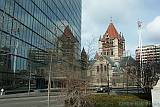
pixel 96 16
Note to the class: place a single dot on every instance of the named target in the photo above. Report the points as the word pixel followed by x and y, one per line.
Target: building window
pixel 107 53
pixel 105 68
pixel 111 42
pixel 112 52
pixel 97 69
pixel 101 67
pixel 104 53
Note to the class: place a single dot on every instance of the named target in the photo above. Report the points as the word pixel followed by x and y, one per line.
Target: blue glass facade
pixel 29 29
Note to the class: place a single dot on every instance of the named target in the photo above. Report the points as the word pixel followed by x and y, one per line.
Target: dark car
pixel 103 89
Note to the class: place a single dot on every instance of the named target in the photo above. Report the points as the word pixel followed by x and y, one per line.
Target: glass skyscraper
pixel 37 36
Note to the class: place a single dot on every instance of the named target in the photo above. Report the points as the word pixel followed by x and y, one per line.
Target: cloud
pixel 153 29
pixel 99 12
pixel 96 17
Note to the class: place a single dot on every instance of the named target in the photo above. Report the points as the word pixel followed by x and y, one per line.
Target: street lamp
pixel 49 78
pixel 108 77
pixel 51 61
pixel 126 65
pixel 14 62
pixel 127 81
pixel 29 82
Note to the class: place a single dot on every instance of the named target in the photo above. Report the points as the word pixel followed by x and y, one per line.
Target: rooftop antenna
pixel 139 23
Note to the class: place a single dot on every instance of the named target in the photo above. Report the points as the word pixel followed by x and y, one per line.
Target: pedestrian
pixel 2 91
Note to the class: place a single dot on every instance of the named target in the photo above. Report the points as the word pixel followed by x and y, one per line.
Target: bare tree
pixel 91 46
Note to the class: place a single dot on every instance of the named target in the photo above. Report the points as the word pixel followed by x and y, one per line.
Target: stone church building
pixel 102 69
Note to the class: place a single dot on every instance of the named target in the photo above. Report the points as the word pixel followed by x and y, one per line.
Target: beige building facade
pixel 149 53
pixel 100 72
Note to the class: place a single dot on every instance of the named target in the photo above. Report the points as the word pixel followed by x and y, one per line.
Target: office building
pixel 149 54
pixel 30 32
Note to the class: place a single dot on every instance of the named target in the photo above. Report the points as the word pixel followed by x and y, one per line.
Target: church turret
pixel 100 45
pixel 84 63
pixel 123 37
pixel 100 38
pixel 123 42
pixel 96 57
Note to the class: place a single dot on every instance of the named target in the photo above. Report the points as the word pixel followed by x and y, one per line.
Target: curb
pixel 23 96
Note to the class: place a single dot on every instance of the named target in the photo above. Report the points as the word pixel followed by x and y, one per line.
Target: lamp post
pixel 14 62
pixel 123 78
pixel 108 77
pixel 29 82
pixel 127 81
pixel 126 65
pixel 49 78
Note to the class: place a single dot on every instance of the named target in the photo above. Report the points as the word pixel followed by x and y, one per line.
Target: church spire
pixel 100 38
pixel 83 50
pixel 111 20
pixel 123 37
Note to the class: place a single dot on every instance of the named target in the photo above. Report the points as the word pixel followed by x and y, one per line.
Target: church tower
pixel 112 44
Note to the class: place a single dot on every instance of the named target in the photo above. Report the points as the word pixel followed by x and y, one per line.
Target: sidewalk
pixel 18 95
pixel 31 94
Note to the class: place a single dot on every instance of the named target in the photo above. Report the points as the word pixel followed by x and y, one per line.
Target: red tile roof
pixel 111 31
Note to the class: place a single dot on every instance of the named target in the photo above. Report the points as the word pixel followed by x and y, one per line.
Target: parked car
pixel 103 89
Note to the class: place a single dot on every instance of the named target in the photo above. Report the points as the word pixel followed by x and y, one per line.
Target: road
pixel 41 101
pixel 130 90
